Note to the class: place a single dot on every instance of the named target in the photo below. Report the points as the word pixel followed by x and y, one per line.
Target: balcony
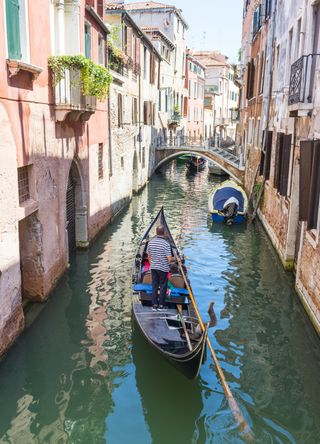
pixel 301 85
pixel 174 120
pixel 69 101
pixel 235 115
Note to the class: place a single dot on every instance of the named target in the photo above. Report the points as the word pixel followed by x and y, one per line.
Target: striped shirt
pixel 158 251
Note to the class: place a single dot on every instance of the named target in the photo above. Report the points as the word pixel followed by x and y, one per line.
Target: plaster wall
pixel 31 137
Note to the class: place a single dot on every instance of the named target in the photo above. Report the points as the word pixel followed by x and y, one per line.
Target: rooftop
pixel 210 58
pixel 157 31
pixel 145 6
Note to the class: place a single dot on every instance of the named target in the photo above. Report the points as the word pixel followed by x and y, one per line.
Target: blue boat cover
pixel 221 196
pixel 148 289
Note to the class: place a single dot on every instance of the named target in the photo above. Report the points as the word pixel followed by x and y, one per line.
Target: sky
pixel 220 20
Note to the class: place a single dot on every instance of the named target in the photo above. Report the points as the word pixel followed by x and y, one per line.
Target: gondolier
pixel 160 255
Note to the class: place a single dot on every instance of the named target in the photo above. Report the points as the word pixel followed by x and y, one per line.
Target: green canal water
pixel 81 373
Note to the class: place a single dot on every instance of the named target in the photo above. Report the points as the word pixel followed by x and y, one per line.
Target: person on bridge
pixel 230 209
pixel 160 256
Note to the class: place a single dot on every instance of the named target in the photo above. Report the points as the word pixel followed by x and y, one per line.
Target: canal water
pixel 81 373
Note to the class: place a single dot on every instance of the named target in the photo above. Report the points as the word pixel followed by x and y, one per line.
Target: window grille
pixel 100 161
pixel 23 184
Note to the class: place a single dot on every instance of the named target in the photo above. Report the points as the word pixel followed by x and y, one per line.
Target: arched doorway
pixel 76 211
pixel 135 173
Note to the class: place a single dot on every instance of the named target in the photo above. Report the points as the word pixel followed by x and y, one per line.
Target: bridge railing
pixel 230 154
pixel 181 141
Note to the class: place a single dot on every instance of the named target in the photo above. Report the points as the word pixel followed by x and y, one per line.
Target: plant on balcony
pixel 176 111
pixel 117 57
pixel 95 78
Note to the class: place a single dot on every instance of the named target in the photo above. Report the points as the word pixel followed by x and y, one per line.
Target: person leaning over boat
pixel 230 209
pixel 160 256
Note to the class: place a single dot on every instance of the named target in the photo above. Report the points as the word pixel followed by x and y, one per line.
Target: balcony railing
pixel 69 99
pixel 115 63
pixel 302 80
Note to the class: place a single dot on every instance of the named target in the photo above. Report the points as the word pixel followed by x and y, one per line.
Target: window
pixel 122 162
pixel 189 88
pixel 309 183
pixel 160 97
pixel 257 20
pixel 143 157
pixel 267 156
pixel 120 111
pixel 282 163
pixel 145 62
pixel 298 40
pixel 147 113
pixel 195 90
pixel 100 50
pixel 152 69
pixel 261 75
pixel 16 26
pixel 87 40
pixel 267 9
pixel 23 184
pixel 125 39
pixel 250 79
pixel 134 110
pixel 100 161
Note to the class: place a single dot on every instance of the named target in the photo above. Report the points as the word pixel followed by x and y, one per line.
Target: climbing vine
pixel 95 79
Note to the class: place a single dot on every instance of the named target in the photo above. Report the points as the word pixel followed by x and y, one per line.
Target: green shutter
pixel 87 41
pixel 13 29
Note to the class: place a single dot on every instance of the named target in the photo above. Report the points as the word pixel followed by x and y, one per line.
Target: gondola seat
pixel 176 296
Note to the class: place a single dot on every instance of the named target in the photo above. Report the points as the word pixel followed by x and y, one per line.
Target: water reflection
pixel 80 374
pixel 171 404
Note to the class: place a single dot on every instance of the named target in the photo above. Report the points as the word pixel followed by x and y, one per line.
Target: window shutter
pixel 263 156
pixel 252 79
pixel 285 165
pixel 314 189
pixel 149 113
pixel 268 155
pixel 277 166
pixel 145 113
pixel 13 29
pixel 306 153
pixel 129 42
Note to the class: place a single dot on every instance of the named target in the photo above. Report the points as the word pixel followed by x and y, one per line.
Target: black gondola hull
pixel 189 363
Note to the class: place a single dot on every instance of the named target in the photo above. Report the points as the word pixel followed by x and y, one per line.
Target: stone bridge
pixel 232 164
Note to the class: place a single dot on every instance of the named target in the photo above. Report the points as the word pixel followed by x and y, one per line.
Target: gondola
pixel 174 332
pixel 196 163
pixel 218 198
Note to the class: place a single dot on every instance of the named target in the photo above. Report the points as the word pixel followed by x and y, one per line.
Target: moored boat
pixel 174 332
pixel 213 168
pixel 228 203
pixel 196 163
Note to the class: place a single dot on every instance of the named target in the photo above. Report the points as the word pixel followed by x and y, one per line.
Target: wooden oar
pixel 184 326
pixel 243 425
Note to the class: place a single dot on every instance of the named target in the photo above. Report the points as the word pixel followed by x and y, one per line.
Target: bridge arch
pixel 196 153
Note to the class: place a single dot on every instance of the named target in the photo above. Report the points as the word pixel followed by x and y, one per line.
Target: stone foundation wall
pixel 10 328
pixel 275 211
pixel 308 275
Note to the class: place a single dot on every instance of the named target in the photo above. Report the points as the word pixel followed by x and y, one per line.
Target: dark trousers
pixel 159 280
